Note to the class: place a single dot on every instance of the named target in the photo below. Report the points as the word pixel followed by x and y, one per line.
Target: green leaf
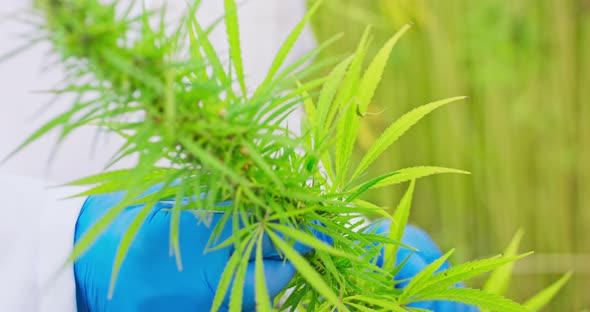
pixel 408 174
pixel 396 130
pixel 538 301
pixel 263 164
pixel 310 241
pixel 322 122
pixel 475 297
pixel 135 188
pixel 359 307
pixel 398 225
pixel 125 66
pixel 233 34
pixel 331 269
pixel 307 271
pixel 44 129
pixel 125 243
pixel 308 106
pixel 120 175
pixel 348 123
pixel 465 271
pixel 417 282
pixel 286 47
pixel 262 298
pixel 374 72
pixel 500 278
pixel 366 186
pixel 237 293
pixel 225 280
pixel 210 53
pixel 175 222
pixel 212 161
pixel 369 301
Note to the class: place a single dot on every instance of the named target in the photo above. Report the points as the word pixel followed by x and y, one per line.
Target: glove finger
pixel 277 273
pixel 410 268
pixel 418 238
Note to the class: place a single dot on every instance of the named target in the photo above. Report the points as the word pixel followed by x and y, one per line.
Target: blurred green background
pixel 524 134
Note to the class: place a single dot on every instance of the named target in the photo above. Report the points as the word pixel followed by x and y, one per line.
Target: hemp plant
pixel 172 98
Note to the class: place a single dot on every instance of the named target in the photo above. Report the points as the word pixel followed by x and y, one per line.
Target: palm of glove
pixel 149 279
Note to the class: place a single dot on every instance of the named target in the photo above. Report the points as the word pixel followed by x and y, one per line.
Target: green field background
pixel 524 134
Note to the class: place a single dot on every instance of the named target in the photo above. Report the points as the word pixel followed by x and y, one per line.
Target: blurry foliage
pixel 524 135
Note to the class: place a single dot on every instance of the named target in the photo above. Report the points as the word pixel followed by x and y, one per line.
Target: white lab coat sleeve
pixel 36 236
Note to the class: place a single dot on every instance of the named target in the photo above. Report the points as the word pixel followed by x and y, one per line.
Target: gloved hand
pixel 149 279
pixel 428 253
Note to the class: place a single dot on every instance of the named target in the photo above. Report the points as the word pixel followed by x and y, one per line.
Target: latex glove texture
pixel 149 279
pixel 427 253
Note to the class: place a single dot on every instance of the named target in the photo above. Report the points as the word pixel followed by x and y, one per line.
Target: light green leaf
pixel 262 298
pixel 210 53
pixel 331 269
pixel 262 164
pixel 100 226
pixel 347 125
pixel 465 271
pixel 541 299
pixel 279 59
pixel 408 174
pixel 60 120
pixel 475 297
pixel 233 34
pixel 325 101
pixel 237 293
pixel 120 175
pixel 396 130
pixel 307 271
pixel 136 189
pixel 212 161
pixel 390 305
pixel 499 279
pixel 310 241
pixel 417 282
pixel 175 222
pixel 398 225
pixel 308 105
pixel 374 72
pixel 366 186
pixel 359 307
pixel 225 280
pixel 125 66
pixel 125 243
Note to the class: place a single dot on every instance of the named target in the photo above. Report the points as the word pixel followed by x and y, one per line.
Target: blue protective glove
pixel 428 253
pixel 149 279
